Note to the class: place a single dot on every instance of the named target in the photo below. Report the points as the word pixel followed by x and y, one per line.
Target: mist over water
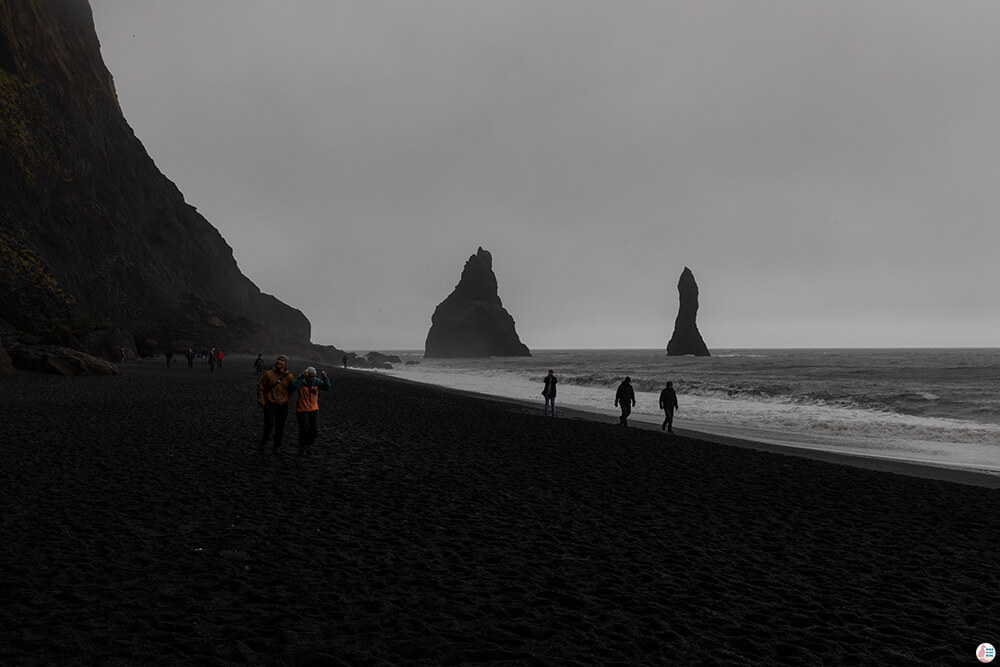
pixel 937 406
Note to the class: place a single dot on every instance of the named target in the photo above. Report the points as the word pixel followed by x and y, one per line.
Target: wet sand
pixel 140 525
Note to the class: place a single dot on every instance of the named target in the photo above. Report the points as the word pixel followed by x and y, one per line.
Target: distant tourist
pixel 170 357
pixel 549 392
pixel 190 357
pixel 258 364
pixel 218 357
pixel 211 361
pixel 307 407
pixel 668 403
pixel 625 397
pixel 274 394
pixel 345 361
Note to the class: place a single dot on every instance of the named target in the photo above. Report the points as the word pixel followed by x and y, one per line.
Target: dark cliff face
pixel 88 225
pixel 687 339
pixel 472 321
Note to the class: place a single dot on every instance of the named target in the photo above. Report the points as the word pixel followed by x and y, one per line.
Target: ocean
pixel 934 406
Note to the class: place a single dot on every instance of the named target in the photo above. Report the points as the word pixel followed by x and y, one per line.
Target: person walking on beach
pixel 550 392
pixel 307 407
pixel 190 357
pixel 218 358
pixel 668 403
pixel 625 397
pixel 258 364
pixel 211 361
pixel 345 361
pixel 274 394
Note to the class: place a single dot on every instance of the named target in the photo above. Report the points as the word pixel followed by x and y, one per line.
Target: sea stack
pixel 687 339
pixel 472 321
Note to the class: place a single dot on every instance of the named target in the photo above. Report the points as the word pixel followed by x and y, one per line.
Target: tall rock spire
pixel 472 321
pixel 687 339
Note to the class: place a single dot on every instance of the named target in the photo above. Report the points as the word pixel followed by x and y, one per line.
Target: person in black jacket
pixel 550 393
pixel 668 403
pixel 625 397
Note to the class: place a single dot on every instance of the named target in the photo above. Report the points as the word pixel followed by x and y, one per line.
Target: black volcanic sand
pixel 140 526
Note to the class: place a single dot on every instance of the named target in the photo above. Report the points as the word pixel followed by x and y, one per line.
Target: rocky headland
pixel 472 321
pixel 90 230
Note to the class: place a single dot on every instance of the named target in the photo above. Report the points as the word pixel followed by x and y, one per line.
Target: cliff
pixel 472 321
pixel 687 339
pixel 89 227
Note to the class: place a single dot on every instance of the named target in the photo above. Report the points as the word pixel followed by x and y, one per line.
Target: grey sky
pixel 828 170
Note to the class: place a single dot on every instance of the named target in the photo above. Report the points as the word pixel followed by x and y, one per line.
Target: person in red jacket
pixel 307 407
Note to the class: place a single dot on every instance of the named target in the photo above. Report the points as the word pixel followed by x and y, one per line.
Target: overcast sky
pixel 830 171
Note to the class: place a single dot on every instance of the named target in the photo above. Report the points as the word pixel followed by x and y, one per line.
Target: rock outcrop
pixel 687 339
pixel 88 224
pixel 472 321
pixel 59 360
pixel 379 360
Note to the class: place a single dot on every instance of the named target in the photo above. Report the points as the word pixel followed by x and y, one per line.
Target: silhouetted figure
pixel 345 361
pixel 170 357
pixel 307 407
pixel 549 392
pixel 625 397
pixel 274 394
pixel 218 358
pixel 190 357
pixel 668 403
pixel 211 361
pixel 258 365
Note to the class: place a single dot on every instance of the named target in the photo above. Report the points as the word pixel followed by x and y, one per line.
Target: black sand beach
pixel 140 526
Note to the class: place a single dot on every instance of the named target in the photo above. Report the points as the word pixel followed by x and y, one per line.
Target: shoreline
pixel 917 469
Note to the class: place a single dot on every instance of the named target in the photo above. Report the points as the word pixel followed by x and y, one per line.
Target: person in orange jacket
pixel 307 407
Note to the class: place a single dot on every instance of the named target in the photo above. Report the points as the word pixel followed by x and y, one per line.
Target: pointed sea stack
pixel 472 321
pixel 686 339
